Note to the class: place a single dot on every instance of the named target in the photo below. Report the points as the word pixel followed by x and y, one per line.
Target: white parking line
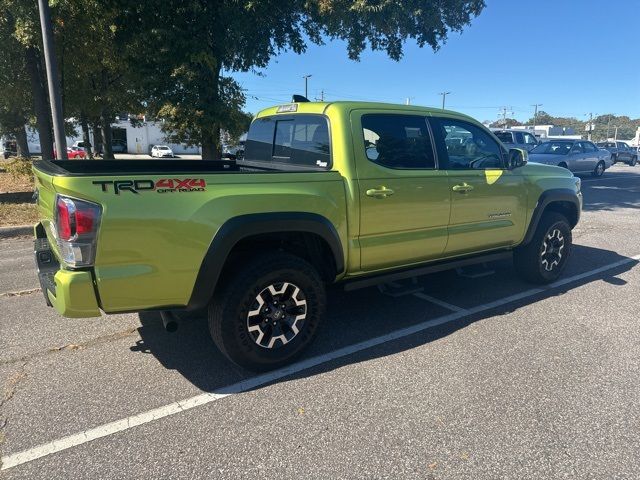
pixel 70 441
pixel 436 301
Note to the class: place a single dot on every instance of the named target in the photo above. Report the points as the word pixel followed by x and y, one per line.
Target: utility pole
pixel 608 124
pixel 590 125
pixel 615 136
pixel 504 111
pixel 444 96
pixel 322 95
pixel 408 101
pixel 306 84
pixel 52 80
pixel 535 115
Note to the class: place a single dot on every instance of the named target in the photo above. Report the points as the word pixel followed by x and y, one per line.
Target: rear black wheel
pixel 268 311
pixel 544 258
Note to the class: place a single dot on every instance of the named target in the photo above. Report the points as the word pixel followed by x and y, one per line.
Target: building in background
pixel 550 131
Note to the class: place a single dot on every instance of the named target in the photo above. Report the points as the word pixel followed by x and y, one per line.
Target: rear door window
pixel 398 141
pixel 519 137
pixel 294 142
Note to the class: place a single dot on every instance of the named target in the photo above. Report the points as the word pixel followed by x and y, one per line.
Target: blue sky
pixel 572 56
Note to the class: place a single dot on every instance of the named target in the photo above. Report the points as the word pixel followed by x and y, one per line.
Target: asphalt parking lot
pixel 470 374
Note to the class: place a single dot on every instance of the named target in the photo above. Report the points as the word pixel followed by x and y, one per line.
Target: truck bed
pixel 97 168
pixel 76 168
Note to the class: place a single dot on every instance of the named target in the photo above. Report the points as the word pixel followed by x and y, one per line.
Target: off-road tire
pixel 237 297
pixel 528 259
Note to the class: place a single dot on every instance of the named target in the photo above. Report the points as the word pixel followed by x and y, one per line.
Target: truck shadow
pixel 363 315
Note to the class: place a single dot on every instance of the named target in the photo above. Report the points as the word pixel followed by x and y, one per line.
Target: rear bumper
pixel 70 292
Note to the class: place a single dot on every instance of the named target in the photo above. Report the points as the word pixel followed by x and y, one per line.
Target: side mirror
pixel 517 158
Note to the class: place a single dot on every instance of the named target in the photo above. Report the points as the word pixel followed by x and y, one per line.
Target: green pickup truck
pixel 351 192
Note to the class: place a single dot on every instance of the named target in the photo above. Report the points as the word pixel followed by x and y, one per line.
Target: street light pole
pixel 306 84
pixel 52 80
pixel 444 96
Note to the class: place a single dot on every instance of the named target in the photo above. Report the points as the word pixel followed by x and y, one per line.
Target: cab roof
pixel 347 106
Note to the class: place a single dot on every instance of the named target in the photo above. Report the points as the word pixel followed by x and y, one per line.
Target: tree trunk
pixel 211 148
pixel 107 136
pixel 97 138
pixel 22 144
pixel 85 135
pixel 40 102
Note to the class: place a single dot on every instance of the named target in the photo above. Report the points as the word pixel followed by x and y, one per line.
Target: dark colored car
pixel 118 146
pixel 621 152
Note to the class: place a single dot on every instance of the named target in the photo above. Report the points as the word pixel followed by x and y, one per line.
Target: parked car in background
pixel 517 138
pixel 579 156
pixel 235 152
pixel 118 146
pixel 80 144
pixel 161 151
pixel 621 152
pixel 73 153
pixel 8 149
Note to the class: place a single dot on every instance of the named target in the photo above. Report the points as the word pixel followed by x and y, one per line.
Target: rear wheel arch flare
pixel 277 230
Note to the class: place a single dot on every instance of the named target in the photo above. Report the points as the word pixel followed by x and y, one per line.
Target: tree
pixel 505 123
pixel 96 80
pixel 185 51
pixel 23 82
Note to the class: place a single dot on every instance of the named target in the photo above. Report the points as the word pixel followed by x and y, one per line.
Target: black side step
pixel 424 270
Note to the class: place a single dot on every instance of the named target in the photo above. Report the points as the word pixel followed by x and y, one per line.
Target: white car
pixel 161 151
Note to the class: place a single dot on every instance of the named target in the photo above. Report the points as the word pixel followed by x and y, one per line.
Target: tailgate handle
pixel 380 192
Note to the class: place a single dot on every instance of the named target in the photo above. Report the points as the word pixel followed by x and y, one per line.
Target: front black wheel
pixel 599 170
pixel 633 162
pixel 544 258
pixel 268 311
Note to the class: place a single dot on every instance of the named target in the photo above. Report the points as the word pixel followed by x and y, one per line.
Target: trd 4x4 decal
pixel 163 185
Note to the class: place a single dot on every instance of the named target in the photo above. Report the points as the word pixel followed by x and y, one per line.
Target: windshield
pixel 553 148
pixel 163 148
pixel 505 137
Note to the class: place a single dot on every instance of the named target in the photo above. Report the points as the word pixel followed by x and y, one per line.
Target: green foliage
pixel 510 122
pixel 603 125
pixel 185 51
pixel 15 98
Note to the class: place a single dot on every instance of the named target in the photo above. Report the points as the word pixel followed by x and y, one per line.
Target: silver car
pixel 516 138
pixel 579 156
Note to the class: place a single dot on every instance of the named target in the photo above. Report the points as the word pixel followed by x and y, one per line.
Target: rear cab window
pixel 291 142
pixel 504 137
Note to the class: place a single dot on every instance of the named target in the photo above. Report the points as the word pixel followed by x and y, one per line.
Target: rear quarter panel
pixel 151 244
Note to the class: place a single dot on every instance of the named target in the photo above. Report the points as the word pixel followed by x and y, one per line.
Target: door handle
pixel 464 188
pixel 380 192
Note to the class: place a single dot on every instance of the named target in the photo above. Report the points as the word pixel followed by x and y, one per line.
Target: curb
pixel 17 231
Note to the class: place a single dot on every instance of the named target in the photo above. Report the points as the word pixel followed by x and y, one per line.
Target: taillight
pixel 77 224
